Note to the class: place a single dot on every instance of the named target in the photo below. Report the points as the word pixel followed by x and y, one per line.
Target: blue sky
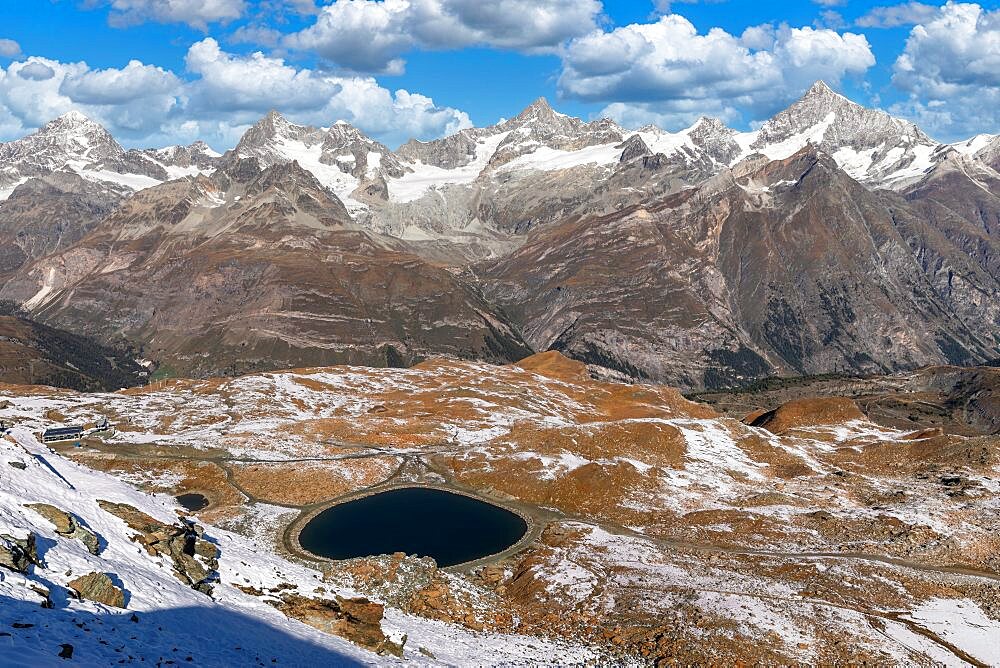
pixel 164 71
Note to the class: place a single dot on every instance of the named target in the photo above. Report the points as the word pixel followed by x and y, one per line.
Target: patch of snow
pixel 412 185
pixel 795 143
pixel 962 623
pixel 974 145
pixel 6 191
pixel 229 628
pixel 549 159
pixel 920 164
pixel 308 157
pixel 132 181
pixel 855 163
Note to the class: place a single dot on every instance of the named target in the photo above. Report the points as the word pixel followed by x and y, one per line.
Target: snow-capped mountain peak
pixel 70 137
pixel 355 153
pixel 851 124
pixel 539 111
pixel 273 129
pixel 869 144
pixel 341 157
pixel 73 123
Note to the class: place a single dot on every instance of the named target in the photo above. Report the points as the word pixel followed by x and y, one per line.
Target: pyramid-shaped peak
pixel 274 119
pixel 271 129
pixel 540 108
pixel 820 87
pixel 74 124
pixel 710 124
pixel 72 119
pixel 272 126
pixel 345 129
pixel 540 104
pixel 821 92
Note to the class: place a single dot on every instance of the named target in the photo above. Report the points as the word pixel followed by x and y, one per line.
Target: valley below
pixel 818 526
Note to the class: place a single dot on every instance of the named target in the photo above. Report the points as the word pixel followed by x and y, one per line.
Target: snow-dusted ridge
pixel 872 146
pixel 74 143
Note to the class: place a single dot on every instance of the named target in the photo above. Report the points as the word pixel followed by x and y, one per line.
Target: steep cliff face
pixel 35 354
pixel 785 267
pixel 46 214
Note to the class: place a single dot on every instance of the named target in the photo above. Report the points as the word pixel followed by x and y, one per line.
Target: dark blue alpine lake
pixel 452 528
pixel 192 502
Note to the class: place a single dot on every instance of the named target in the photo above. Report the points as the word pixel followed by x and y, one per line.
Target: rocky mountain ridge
pixel 835 238
pixel 75 144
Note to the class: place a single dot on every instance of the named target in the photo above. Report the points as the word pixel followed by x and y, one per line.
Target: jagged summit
pixel 540 107
pixel 710 122
pixel 79 128
pixel 540 114
pixel 847 122
pixel 72 117
pixel 341 157
pixel 869 144
pixel 820 89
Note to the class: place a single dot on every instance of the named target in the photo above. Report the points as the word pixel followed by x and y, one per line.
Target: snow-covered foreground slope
pixel 166 620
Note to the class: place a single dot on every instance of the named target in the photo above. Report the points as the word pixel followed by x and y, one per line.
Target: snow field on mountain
pixel 414 184
pixel 331 176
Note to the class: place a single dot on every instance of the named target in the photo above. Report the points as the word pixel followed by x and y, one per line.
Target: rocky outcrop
pixel 632 148
pixel 68 526
pixel 19 554
pixel 194 558
pixel 356 619
pixel 99 588
pixel 416 585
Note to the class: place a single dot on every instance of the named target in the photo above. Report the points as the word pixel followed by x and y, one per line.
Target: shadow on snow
pixel 199 636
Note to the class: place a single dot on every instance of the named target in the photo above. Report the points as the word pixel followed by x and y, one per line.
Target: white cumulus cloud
pixel 195 13
pixel 113 86
pixel 668 72
pixel 950 67
pixel 240 88
pixel 892 16
pixel 9 48
pixel 252 83
pixel 224 94
pixel 370 36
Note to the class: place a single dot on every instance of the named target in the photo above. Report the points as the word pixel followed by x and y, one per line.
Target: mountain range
pixel 834 238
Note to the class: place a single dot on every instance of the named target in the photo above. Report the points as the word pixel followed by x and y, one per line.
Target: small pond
pixel 452 528
pixel 192 502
